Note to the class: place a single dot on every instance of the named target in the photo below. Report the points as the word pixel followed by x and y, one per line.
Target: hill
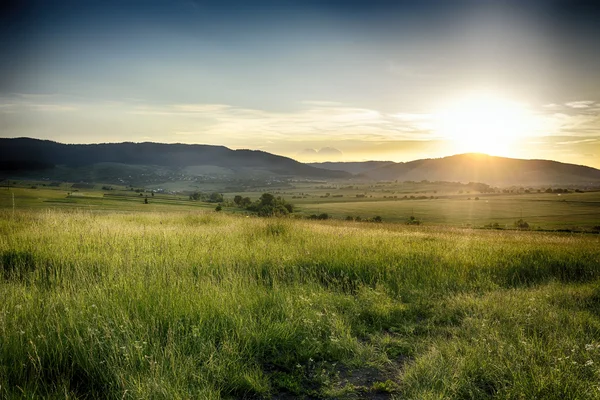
pixel 492 170
pixel 151 163
pixel 33 156
pixel 352 167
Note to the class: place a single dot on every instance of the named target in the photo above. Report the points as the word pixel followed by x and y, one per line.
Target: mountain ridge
pixel 27 151
pixel 494 170
pixel 29 156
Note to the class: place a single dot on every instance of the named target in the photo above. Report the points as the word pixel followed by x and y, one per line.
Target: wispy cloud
pixel 27 102
pixel 312 122
pixel 578 141
pixel 580 104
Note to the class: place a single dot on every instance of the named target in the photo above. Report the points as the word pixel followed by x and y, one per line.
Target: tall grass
pixel 156 305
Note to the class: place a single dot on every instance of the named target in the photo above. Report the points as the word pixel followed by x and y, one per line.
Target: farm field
pixel 198 304
pixel 572 211
pixel 547 211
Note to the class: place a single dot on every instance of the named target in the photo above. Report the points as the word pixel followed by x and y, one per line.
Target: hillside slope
pixel 488 169
pixel 30 154
pixel 358 167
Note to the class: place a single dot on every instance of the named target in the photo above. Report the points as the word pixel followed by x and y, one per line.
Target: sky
pixel 312 80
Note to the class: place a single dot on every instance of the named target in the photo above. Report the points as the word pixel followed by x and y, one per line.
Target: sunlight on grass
pixel 207 305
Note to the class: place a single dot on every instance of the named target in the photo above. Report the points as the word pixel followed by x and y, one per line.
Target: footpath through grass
pixel 204 305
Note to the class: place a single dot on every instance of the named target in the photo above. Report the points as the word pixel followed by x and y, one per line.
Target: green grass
pixel 548 211
pixel 210 305
pixel 95 200
pixel 574 211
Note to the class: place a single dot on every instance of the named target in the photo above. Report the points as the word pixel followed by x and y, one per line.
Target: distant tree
pixel 238 200
pixel 412 220
pixel 215 197
pixel 245 202
pixel 196 196
pixel 267 199
pixel 146 200
pixel 268 205
pixel 152 194
pixel 218 208
pixel 323 216
pixel 521 224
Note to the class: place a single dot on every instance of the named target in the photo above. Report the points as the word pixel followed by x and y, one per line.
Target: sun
pixel 483 124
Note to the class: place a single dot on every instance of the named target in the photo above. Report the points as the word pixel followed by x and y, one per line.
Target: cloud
pixel 27 106
pixel 323 154
pixel 200 108
pixel 313 122
pixel 580 104
pixel 330 151
pixel 308 152
pixel 577 141
pixel 321 103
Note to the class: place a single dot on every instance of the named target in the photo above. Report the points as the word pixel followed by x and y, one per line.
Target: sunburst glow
pixel 484 124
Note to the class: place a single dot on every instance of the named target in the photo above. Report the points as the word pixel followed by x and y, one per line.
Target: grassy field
pixel 574 211
pixel 197 304
pixel 95 200
pixel 547 211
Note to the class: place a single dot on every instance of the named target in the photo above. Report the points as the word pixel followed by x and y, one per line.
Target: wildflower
pixel 589 347
pixel 589 363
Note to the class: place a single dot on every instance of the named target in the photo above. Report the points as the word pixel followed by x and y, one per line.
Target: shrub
pixel 215 198
pixel 269 205
pixel 413 221
pixel 521 224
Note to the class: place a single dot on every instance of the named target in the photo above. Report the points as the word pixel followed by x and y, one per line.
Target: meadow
pixel 200 304
pixel 449 207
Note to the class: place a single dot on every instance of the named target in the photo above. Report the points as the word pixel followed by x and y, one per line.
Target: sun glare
pixel 484 124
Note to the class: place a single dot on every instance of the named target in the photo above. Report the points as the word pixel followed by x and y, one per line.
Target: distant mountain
pixel 25 154
pixel 499 171
pixel 150 163
pixel 352 167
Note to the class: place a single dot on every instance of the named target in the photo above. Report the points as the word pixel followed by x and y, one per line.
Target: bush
pixel 218 208
pixel 215 198
pixel 413 221
pixel 269 205
pixel 521 224
pixel 492 225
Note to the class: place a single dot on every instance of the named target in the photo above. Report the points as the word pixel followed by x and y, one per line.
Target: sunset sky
pixel 312 80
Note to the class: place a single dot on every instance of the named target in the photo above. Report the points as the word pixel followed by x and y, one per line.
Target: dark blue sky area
pixel 305 48
pixel 282 58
